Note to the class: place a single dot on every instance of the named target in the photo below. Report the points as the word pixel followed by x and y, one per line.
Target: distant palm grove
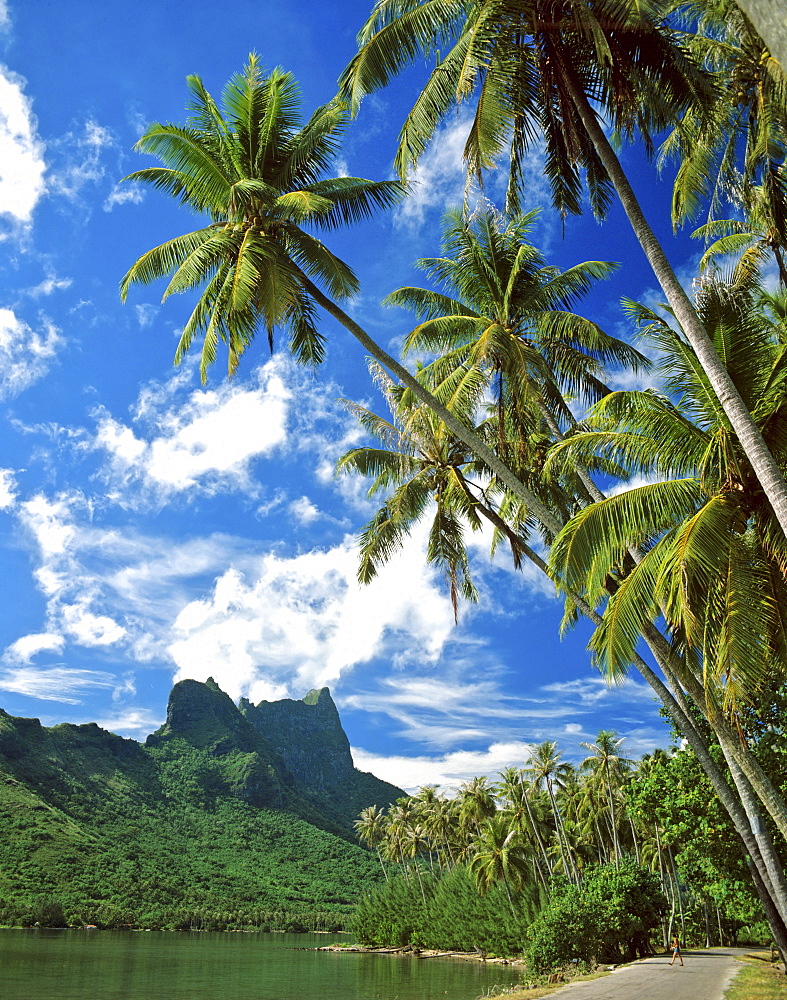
pixel 659 513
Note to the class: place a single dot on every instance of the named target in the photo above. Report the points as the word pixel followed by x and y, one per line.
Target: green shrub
pixel 609 918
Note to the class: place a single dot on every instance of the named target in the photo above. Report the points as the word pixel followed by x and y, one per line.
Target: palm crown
pixel 255 171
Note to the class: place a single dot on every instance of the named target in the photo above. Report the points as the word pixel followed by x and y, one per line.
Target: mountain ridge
pixel 224 809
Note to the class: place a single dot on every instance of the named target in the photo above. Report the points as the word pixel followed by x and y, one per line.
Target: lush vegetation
pixel 600 862
pixel 203 827
pixel 691 565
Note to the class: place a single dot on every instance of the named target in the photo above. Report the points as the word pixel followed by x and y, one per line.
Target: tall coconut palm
pixel 254 172
pixel 605 761
pixel 715 564
pixel 546 769
pixel 539 67
pixel 501 311
pixel 499 857
pixel 515 793
pixel 708 536
pixel 732 151
pixel 370 827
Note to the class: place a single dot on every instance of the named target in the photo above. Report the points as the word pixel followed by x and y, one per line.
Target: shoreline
pixel 422 953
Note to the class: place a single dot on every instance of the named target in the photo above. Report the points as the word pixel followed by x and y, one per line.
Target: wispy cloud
pixel 25 354
pixel 79 159
pixel 62 684
pixel 124 194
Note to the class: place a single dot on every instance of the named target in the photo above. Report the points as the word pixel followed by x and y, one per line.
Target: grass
pixel 521 993
pixel 758 980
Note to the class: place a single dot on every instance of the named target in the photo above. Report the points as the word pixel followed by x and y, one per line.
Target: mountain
pixel 226 816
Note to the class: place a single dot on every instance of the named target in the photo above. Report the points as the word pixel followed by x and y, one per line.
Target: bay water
pixel 151 965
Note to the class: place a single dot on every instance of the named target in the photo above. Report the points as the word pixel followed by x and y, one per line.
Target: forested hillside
pixel 204 825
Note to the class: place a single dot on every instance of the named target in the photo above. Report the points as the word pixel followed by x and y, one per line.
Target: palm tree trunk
pixel 752 441
pixel 568 861
pixel 462 431
pixel 664 928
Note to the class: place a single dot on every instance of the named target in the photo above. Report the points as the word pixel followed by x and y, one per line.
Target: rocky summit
pixel 225 805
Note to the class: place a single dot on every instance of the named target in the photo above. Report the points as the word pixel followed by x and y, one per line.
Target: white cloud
pixel 438 183
pixel 447 770
pixel 21 150
pixel 146 313
pixel 5 19
pixel 51 283
pixel 304 511
pixel 53 683
pixel 134 722
pixel 590 690
pixel 28 646
pixel 87 628
pixel 124 194
pixel 79 159
pixel 207 439
pixel 25 354
pixel 302 622
pixel 7 489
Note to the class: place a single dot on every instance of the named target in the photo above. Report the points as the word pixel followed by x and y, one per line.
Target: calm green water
pixel 113 965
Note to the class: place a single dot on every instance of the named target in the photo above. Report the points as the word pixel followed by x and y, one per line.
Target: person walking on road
pixel 676 950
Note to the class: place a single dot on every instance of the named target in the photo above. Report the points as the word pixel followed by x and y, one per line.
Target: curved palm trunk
pixel 464 433
pixel 468 437
pixel 752 441
pixel 764 864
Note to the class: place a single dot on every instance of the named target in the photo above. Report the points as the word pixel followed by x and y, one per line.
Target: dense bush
pixel 453 916
pixel 609 917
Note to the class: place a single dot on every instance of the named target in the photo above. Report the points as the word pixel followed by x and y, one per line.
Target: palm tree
pixel 515 792
pixel 499 857
pixel 714 561
pixel 254 173
pixel 370 827
pixel 605 761
pixel 539 67
pixel 546 769
pixel 733 153
pixel 476 803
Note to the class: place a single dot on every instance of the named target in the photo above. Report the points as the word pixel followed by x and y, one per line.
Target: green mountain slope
pixel 205 825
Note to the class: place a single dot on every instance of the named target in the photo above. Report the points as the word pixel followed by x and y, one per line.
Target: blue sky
pixel 154 529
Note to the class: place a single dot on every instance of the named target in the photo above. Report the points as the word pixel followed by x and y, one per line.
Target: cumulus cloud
pixel 207 439
pixel 7 489
pixel 304 511
pixel 21 150
pixel 302 622
pixel 25 354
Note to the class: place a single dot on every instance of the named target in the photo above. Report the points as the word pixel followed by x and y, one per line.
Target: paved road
pixel 704 976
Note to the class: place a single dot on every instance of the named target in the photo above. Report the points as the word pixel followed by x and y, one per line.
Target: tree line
pixel 539 839
pixel 691 566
